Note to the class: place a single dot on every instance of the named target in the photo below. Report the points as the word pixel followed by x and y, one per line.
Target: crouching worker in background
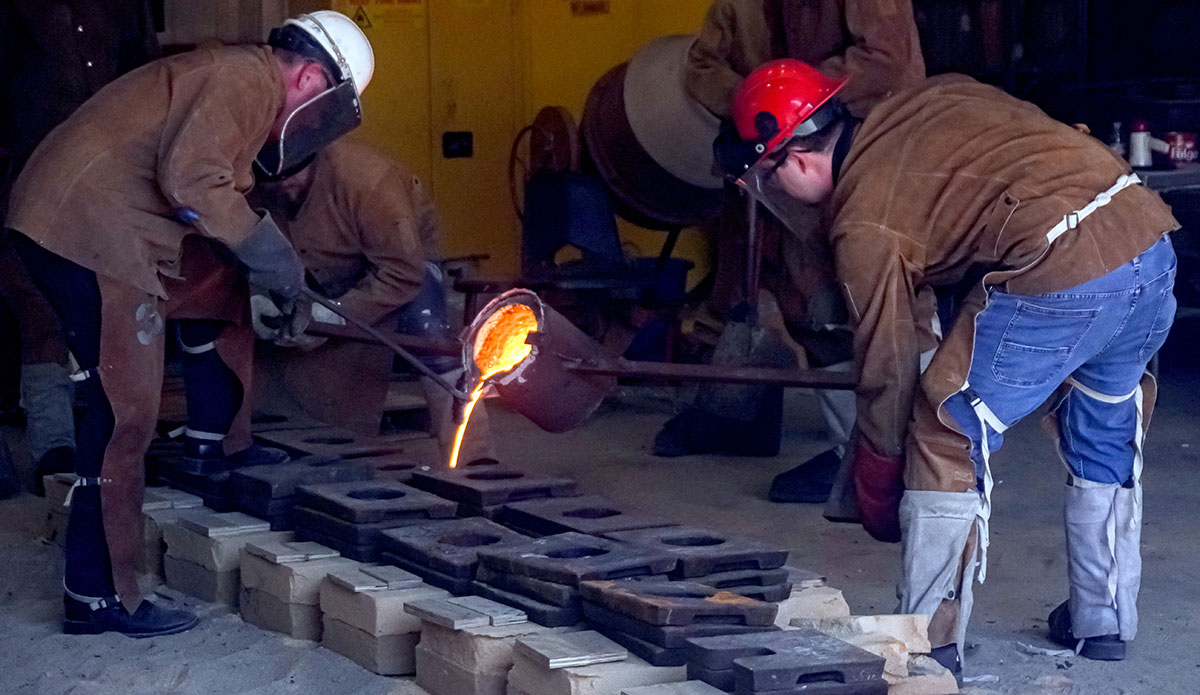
pixel 366 231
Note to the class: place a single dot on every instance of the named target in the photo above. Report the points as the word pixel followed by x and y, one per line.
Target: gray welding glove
pixel 282 321
pixel 270 259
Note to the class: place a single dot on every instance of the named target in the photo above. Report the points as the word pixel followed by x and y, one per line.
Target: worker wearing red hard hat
pixel 875 46
pixel 1069 273
pixel 132 212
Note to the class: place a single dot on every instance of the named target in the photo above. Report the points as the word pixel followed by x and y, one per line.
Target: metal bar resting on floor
pixel 660 371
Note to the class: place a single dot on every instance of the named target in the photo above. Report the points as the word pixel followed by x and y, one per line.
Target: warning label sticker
pixel 371 14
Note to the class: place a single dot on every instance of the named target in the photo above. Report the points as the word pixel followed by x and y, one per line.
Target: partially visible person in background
pixel 874 44
pixel 54 55
pixel 367 233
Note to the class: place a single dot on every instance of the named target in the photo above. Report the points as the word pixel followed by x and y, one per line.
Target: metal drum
pixel 650 142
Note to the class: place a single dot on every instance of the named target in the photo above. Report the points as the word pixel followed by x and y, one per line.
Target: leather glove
pixel 280 320
pixel 322 315
pixel 879 484
pixel 297 313
pixel 265 317
pixel 270 260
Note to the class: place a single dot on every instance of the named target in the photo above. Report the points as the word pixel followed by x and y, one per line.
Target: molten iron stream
pixel 499 347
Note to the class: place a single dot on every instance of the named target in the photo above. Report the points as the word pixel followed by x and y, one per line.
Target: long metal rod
pixel 190 217
pixel 384 339
pixel 661 371
pixel 416 344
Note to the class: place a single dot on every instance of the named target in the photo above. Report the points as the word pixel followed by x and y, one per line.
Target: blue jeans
pixel 1100 334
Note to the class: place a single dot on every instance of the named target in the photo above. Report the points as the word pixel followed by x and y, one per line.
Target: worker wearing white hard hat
pixel 133 211
pixel 335 43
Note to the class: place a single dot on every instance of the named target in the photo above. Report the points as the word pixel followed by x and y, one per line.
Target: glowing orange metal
pixel 499 347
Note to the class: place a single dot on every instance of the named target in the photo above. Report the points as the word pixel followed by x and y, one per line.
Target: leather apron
pixel 208 285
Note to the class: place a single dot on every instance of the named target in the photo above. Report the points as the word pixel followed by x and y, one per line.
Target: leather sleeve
pixel 879 288
pixel 390 220
pixel 216 124
pixel 886 54
pixel 733 41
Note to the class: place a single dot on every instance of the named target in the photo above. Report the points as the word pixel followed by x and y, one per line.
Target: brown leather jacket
pixel 955 178
pixel 874 42
pixel 179 132
pixel 364 230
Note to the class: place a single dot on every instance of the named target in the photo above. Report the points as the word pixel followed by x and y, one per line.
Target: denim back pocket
pixel 1038 342
pixel 1164 318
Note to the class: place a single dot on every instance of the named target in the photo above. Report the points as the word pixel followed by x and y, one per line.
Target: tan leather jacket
pixel 179 132
pixel 364 230
pixel 874 42
pixel 956 177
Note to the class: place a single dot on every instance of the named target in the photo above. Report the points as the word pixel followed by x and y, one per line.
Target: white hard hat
pixel 345 43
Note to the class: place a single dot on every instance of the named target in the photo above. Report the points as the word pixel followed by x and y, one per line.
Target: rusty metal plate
pixel 702 551
pixel 652 654
pixel 459 586
pixel 337 441
pixel 782 662
pixel 397 468
pixel 541 613
pixel 770 594
pixel 362 533
pixel 281 480
pixel 450 547
pixel 745 578
pixel 668 636
pixel 368 552
pixel 540 590
pixel 368 501
pixel 677 603
pixel 721 680
pixel 570 558
pixel 485 485
pixel 590 514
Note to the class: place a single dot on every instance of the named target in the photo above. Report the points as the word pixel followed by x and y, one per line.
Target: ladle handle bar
pixel 385 340
pixel 190 217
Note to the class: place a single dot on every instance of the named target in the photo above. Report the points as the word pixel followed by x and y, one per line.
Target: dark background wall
pixel 1064 54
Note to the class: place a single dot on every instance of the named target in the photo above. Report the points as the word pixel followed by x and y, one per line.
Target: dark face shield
pixel 313 125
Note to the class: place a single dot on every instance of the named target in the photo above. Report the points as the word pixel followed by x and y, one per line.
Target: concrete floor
pixel 610 455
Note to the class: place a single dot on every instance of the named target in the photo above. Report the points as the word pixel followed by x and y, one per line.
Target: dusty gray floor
pixel 611 456
pixel 1027 571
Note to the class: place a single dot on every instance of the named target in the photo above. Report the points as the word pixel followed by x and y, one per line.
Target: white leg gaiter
pixel 936 527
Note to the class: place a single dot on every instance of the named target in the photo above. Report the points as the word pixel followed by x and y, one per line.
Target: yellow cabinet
pixel 485 68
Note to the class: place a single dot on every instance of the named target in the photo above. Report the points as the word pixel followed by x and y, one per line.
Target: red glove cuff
pixel 879 484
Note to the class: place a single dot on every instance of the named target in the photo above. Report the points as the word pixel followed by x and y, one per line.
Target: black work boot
pixel 810 482
pixel 949 657
pixel 1101 648
pixel 693 431
pixel 207 457
pixel 108 615
pixel 60 459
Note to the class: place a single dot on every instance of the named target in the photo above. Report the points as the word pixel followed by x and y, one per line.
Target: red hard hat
pixel 775 101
